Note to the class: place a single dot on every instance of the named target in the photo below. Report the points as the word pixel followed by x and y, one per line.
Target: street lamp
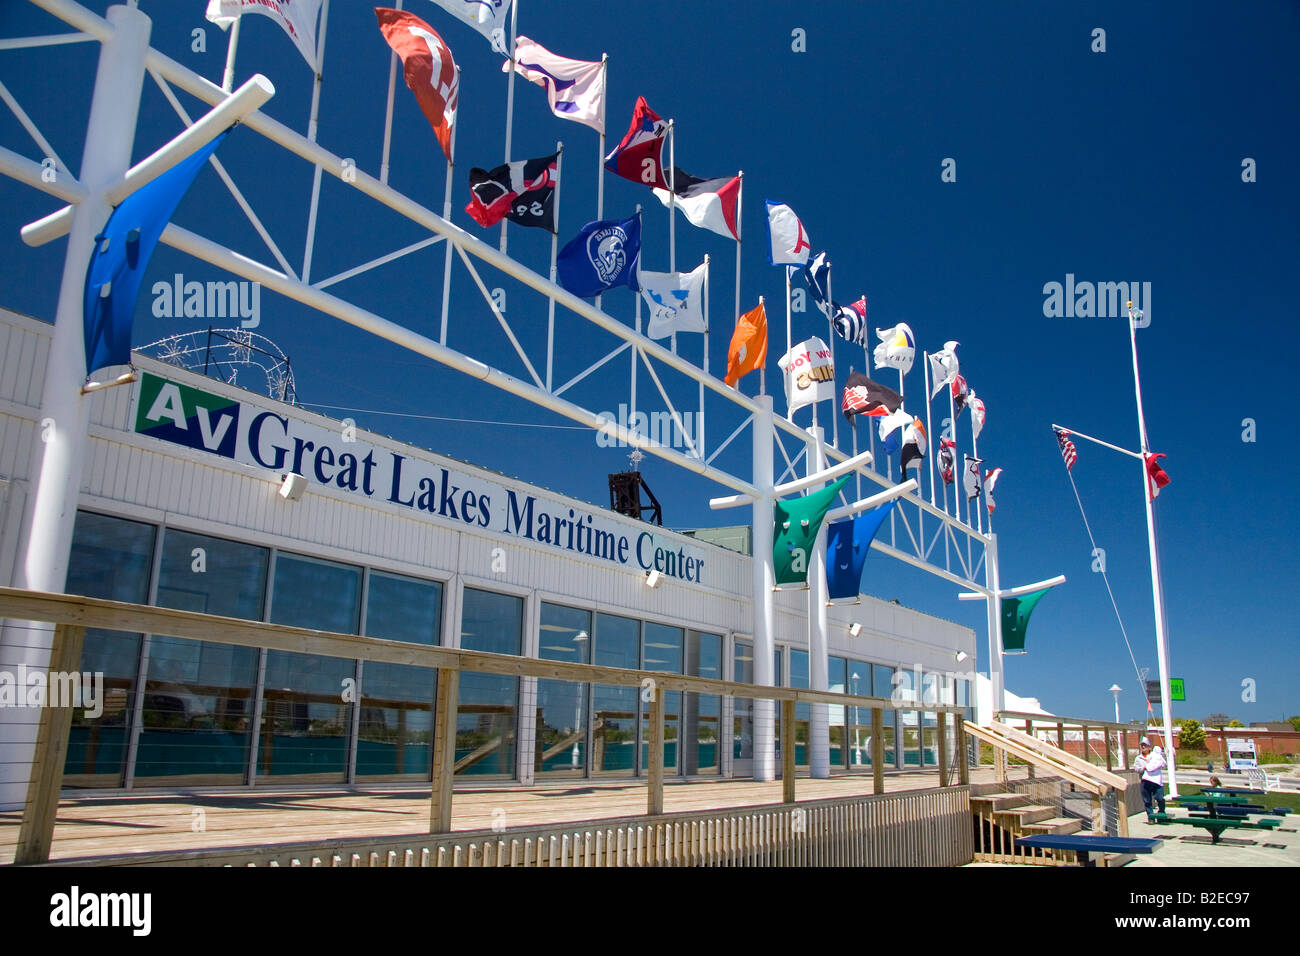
pixel 857 742
pixel 1115 689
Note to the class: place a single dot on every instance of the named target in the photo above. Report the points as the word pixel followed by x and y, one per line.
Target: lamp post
pixel 1114 689
pixel 857 741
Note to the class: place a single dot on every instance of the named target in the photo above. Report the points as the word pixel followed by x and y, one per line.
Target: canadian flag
pixel 429 69
pixel 1156 477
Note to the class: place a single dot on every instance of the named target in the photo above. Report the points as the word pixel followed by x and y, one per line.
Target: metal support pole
pixel 655 776
pixel 764 586
pixel 877 750
pixel 787 751
pixel 992 582
pixel 818 665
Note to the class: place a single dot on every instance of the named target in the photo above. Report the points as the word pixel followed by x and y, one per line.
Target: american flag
pixel 1067 448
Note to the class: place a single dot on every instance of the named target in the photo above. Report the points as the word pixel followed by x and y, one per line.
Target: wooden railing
pixel 71 615
pixel 1112 732
pixel 910 828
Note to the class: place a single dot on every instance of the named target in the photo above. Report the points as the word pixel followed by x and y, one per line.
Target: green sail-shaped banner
pixel 1015 620
pixel 797 522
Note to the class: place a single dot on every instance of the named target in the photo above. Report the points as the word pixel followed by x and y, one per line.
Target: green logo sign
pixel 1176 690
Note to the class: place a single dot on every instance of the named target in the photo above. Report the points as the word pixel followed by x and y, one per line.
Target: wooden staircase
pixel 1001 818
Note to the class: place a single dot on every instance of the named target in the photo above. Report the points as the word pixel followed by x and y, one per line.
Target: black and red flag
pixel 862 396
pixel 522 191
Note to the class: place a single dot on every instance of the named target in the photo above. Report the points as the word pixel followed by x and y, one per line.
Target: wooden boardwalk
pixel 90 825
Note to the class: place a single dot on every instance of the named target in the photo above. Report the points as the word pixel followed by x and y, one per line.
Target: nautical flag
pixel 296 17
pixel 676 301
pixel 892 427
pixel 606 253
pixel 990 482
pixel 640 155
pixel 977 415
pixel 960 392
pixel 862 396
pixel 429 69
pixel 524 191
pixel 488 17
pixel 1068 452
pixel 809 374
pixel 789 242
pixel 897 348
pixel 707 203
pixel 817 273
pixel 915 445
pixel 851 321
pixel 748 349
pixel 1015 620
pixel 943 367
pixel 795 533
pixel 946 463
pixel 1156 477
pixel 847 544
pixel 971 480
pixel 575 88
pixel 121 256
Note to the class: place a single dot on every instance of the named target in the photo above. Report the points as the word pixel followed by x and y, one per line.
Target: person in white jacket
pixel 1151 764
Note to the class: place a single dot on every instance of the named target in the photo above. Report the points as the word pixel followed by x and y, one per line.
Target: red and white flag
pixel 977 415
pixel 296 17
pixel 990 481
pixel 640 155
pixel 1156 477
pixel 429 69
pixel 789 239
pixel 707 203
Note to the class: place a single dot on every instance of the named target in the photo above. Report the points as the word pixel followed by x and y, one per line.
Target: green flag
pixel 797 522
pixel 1015 620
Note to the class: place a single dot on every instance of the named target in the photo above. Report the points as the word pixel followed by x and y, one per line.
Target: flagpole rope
pixel 1093 541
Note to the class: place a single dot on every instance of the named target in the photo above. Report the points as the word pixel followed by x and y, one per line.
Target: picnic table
pixel 1083 845
pixel 1211 801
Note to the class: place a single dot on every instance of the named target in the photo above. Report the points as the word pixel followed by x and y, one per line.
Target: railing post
pixel 941 736
pixel 787 751
pixel 1106 732
pixel 655 775
pixel 878 750
pixel 1060 735
pixel 1029 730
pixel 444 749
pixel 963 758
pixel 1085 756
pixel 36 832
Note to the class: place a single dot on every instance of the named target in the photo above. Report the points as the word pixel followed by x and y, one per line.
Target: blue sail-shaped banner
pixel 847 544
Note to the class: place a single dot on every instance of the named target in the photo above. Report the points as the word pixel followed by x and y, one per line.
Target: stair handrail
pixel 1017 749
pixel 1111 780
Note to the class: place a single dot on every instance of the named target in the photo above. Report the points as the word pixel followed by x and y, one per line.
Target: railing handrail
pixel 79 611
pixel 1069 771
pixel 1051 720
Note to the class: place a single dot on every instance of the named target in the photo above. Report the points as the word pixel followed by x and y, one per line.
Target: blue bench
pixel 1085 845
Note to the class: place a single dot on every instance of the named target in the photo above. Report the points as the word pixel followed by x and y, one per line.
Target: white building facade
pixel 180 506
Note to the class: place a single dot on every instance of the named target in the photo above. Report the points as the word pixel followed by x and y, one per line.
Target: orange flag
pixel 429 69
pixel 748 350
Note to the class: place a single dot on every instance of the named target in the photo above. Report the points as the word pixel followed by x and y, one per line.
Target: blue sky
pixel 1117 166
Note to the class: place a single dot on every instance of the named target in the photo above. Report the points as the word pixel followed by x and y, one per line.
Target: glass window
pixel 395 721
pixel 198 702
pixel 111 558
pixel 305 721
pixel 565 635
pixel 614 708
pixel 799 678
pixel 882 685
pixel 701 713
pixel 662 651
pixel 858 734
pixel 836 681
pixel 486 718
pixel 742 669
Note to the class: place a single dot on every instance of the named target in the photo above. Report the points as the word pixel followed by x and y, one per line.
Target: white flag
pixel 897 348
pixel 296 17
pixel 977 415
pixel 676 301
pixel 789 241
pixel 809 374
pixel 971 480
pixel 488 17
pixel 943 367
pixel 575 88
pixel 990 482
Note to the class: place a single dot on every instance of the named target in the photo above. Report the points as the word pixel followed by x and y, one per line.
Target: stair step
pixel 1116 859
pixel 1056 825
pixel 999 801
pixel 1022 815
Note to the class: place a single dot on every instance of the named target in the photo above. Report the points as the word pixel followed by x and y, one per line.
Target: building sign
pixel 261 438
pixel 1176 689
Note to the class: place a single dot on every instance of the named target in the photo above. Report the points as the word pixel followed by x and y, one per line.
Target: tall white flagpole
pixel 672 212
pixel 555 236
pixel 975 453
pixel 699 423
pixel 510 99
pixel 787 315
pixel 600 176
pixel 1157 589
pixel 446 214
pixel 830 341
pixel 635 353
pixel 232 44
pixel 762 369
pixel 869 371
pixel 312 125
pixel 958 487
pixel 388 112
pixel 929 434
pixel 740 193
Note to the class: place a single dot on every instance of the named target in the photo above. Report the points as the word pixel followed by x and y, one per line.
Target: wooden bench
pixel 1083 845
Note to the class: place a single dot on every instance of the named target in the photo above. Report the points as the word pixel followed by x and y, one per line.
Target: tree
pixel 1294 722
pixel 1235 723
pixel 1191 736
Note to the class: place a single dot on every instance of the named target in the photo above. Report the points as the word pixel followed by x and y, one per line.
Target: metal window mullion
pixel 142 669
pixel 259 702
pixel 355 730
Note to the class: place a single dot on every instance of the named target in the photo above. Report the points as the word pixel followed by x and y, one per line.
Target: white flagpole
pixel 635 351
pixel 312 124
pixel 1157 589
pixel 555 236
pixel 446 214
pixel 740 192
pixel 787 311
pixel 830 329
pixel 510 99
pixel 232 44
pixel 929 433
pixel 699 423
pixel 762 369
pixel 868 371
pixel 600 179
pixel 958 488
pixel 672 211
pixel 975 453
pixel 388 112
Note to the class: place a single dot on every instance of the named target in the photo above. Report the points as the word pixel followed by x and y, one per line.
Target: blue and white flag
pixel 817 274
pixel 847 544
pixel 892 429
pixel 575 88
pixel 676 301
pixel 488 17
pixel 789 242
pixel 604 254
pixel 897 348
pixel 851 321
